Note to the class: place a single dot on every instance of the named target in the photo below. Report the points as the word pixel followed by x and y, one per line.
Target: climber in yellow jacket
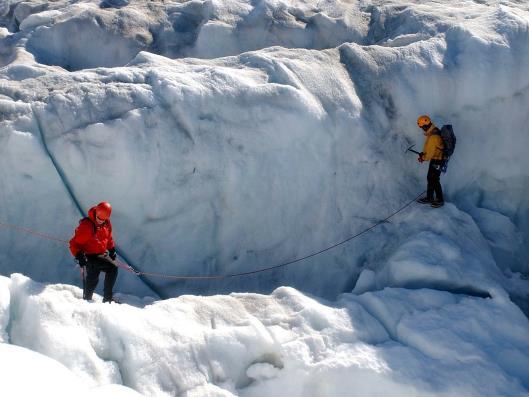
pixel 432 152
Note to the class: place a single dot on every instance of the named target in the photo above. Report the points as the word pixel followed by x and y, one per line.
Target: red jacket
pixel 91 238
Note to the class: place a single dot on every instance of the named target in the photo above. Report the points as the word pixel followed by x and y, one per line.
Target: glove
pixel 420 159
pixel 81 259
pixel 112 253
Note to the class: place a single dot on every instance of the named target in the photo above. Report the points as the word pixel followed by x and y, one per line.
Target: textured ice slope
pixel 92 33
pixel 226 165
pixel 26 373
pixel 394 342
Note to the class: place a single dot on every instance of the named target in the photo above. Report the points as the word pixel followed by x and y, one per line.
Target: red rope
pixel 219 277
pixel 33 232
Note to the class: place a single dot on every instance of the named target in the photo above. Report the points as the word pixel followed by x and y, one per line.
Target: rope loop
pixel 130 269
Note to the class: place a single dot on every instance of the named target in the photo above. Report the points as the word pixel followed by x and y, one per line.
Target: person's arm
pixel 110 241
pixel 432 144
pixel 82 235
pixel 422 156
pixel 111 246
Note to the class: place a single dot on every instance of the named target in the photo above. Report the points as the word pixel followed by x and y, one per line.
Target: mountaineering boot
pixel 424 200
pixel 111 300
pixel 437 203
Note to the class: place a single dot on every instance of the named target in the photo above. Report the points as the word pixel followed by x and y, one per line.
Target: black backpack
pixel 449 140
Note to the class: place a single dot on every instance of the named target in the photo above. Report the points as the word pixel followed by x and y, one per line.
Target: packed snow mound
pixel 27 373
pixel 395 341
pixel 84 34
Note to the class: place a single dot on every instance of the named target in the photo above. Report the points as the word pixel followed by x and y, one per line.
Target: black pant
pixel 434 182
pixel 97 264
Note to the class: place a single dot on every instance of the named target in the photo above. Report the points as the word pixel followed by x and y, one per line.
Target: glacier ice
pixel 231 136
pixel 217 166
pixel 396 341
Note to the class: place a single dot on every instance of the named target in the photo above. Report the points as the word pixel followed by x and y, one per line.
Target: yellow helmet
pixel 423 120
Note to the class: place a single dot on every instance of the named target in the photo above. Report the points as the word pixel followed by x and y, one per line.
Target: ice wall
pixel 231 164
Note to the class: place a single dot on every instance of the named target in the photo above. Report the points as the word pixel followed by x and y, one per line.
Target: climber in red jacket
pixel 93 247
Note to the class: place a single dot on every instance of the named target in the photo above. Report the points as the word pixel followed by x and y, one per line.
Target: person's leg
pixel 106 265
pixel 110 279
pixel 92 278
pixel 439 192
pixel 431 181
pixel 436 180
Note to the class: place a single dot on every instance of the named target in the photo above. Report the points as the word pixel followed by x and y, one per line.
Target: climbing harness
pixel 129 268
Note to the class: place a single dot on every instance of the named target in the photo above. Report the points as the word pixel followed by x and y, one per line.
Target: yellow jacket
pixel 433 146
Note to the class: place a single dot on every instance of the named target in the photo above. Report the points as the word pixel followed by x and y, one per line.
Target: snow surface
pixel 395 341
pixel 47 377
pixel 235 135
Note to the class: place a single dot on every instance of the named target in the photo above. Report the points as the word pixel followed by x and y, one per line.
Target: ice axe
pixel 410 149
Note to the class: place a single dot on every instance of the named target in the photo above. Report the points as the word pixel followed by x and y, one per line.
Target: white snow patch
pixel 42 18
pixel 393 341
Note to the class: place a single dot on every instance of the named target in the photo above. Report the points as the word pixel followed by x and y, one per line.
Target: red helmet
pixel 103 210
